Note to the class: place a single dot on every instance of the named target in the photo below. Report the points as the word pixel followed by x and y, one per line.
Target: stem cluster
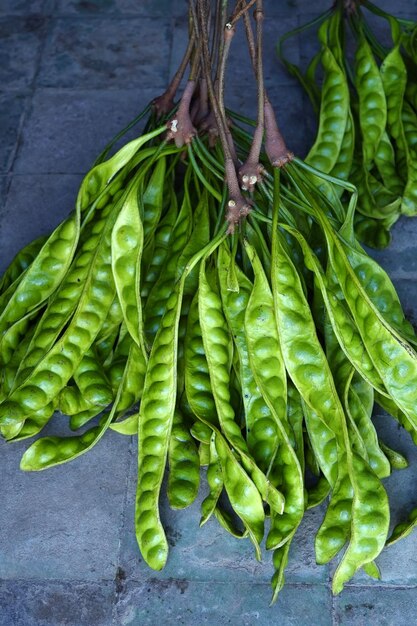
pixel 202 109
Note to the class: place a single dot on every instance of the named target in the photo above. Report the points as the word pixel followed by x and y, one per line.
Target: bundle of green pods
pixel 251 342
pixel 366 103
pixel 253 354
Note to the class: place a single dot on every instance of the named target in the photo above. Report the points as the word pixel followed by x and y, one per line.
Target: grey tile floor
pixel 72 73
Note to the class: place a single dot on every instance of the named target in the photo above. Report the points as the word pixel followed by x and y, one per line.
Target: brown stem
pixel 250 172
pixel 208 125
pixel 250 40
pixel 204 106
pixel 239 12
pixel 195 107
pixel 227 40
pixel 165 103
pixel 196 63
pixel 217 36
pixel 237 207
pixel 350 6
pixel 200 108
pixel 207 75
pixel 181 128
pixel 275 148
pixel 259 17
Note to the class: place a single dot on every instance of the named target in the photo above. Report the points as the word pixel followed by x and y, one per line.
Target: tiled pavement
pixel 72 73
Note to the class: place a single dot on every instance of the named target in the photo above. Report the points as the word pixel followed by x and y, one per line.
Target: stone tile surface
pixel 95 53
pixel 385 607
pixel 23 7
pixel 406 290
pixel 12 106
pixel 49 197
pixel 57 603
pixel 398 563
pixel 3 189
pixel 399 259
pixel 288 108
pixel 21 40
pixel 239 69
pixel 61 134
pixel 62 524
pixel 114 7
pixel 174 602
pixel 208 553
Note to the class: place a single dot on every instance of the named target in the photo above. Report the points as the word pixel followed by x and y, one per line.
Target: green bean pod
pixel 97 179
pixel 92 382
pixel 21 262
pixel 333 115
pixel 53 371
pixel 243 494
pixel 36 422
pixel 394 79
pixel 343 325
pixel 396 459
pixel 197 378
pixel 386 165
pixel 280 562
pixel 126 253
pixel 269 372
pixel 184 465
pixel 370 523
pixel 215 483
pixel 155 423
pixel 160 247
pixel 217 346
pixel 343 165
pixel 377 459
pixel 62 304
pixel 261 430
pixel 310 372
pixel 78 420
pixel 394 359
pixel 409 201
pixel 153 199
pixel 50 451
pixel 162 289
pixel 11 339
pixel 71 401
pixel 372 103
pixel 45 273
pixel 403 529
pixel 199 238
